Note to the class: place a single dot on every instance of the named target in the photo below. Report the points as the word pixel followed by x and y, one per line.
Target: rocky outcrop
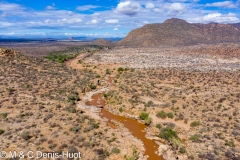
pixel 8 52
pixel 175 32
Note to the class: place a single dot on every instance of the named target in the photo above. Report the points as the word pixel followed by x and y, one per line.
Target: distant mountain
pixel 179 32
pixel 102 42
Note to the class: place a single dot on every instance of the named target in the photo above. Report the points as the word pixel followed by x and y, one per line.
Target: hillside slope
pixel 179 32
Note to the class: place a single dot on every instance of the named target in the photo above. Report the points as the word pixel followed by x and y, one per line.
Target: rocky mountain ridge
pixel 179 32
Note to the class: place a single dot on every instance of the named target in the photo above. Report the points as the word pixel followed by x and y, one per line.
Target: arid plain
pixel 187 97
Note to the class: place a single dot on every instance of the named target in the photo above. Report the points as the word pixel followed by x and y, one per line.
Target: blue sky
pixel 105 18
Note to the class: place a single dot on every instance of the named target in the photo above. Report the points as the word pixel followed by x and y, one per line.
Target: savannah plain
pixel 188 99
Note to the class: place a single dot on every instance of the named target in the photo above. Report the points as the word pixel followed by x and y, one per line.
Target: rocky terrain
pixel 199 57
pixel 38 111
pixel 187 97
pixel 40 49
pixel 179 32
pixel 190 94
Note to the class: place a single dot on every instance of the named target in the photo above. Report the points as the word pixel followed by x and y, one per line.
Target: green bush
pixel 75 129
pixel 170 115
pixel 148 121
pixel 159 126
pixel 195 137
pixel 4 115
pixel 60 57
pixel 162 114
pixel 25 135
pixel 182 150
pixel 230 143
pixel 174 101
pixel 93 86
pixel 115 150
pixel 107 71
pixel 143 115
pixel 120 109
pixel 1 131
pixel 72 110
pixel 73 97
pixel 195 123
pixel 170 135
pixel 120 69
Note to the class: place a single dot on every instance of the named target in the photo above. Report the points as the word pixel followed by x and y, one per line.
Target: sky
pixel 105 18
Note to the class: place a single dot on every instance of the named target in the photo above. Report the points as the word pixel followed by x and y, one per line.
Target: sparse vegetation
pixel 170 135
pixel 195 123
pixel 41 97
pixel 1 131
pixel 162 115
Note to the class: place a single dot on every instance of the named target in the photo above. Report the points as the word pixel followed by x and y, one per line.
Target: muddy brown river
pixel 137 129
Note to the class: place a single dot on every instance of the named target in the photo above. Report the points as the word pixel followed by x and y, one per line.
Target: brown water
pixel 136 128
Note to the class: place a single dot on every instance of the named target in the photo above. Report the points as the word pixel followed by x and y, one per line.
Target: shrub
pixel 170 135
pixel 120 109
pixel 195 137
pixel 107 71
pixel 60 57
pixel 4 115
pixel 134 156
pixel 174 101
pixel 93 86
pixel 148 121
pixel 1 131
pixel 143 116
pixel 106 153
pixel 195 123
pixel 162 114
pixel 72 110
pixel 182 150
pixel 115 150
pixel 25 135
pixel 230 143
pixel 75 129
pixel 73 97
pixel 159 126
pixel 170 115
pixel 120 69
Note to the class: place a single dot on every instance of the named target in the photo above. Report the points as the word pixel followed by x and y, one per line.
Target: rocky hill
pixel 102 42
pixel 179 32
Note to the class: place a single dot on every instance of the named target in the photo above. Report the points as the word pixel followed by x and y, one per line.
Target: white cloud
pixel 129 8
pixel 87 7
pixel 149 5
pixel 50 7
pixel 10 7
pixel 6 24
pixel 112 21
pixel 157 10
pixel 59 22
pixel 95 15
pixel 115 29
pixel 94 21
pixel 217 17
pixel 176 8
pixel 224 4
